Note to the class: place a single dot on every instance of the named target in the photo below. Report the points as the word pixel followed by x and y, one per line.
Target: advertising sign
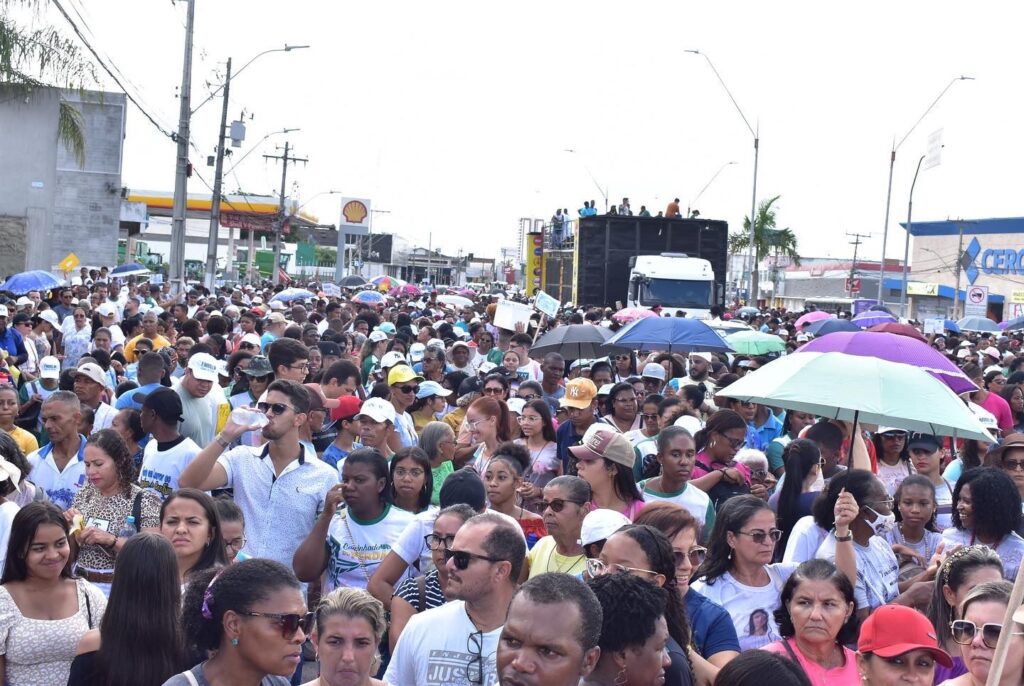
pixel 534 276
pixel 355 216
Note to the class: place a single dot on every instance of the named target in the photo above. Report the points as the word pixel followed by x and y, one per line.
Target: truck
pixel 619 261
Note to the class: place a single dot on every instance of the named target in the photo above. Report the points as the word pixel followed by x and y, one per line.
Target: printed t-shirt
pixel 877 570
pixel 751 608
pixel 163 463
pixel 355 549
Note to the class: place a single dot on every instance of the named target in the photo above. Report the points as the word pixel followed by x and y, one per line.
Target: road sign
pixel 69 262
pixel 853 285
pixel 977 301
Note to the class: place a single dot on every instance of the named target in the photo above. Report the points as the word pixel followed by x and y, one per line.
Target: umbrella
pixel 1014 324
pixel 880 308
pixel 466 292
pixel 368 297
pixel 894 348
pixel 979 324
pixel 35 280
pixel 811 317
pixel 728 326
pixel 826 326
pixel 671 334
pixel 755 343
pixel 386 283
pixel 631 314
pixel 290 294
pixel 576 341
pixel 900 329
pixel 455 300
pixel 352 281
pixel 747 311
pixel 408 289
pixel 871 318
pixel 131 269
pixel 856 388
pixel 951 326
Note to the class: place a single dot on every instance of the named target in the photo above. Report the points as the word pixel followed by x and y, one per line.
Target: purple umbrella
pixel 894 348
pixel 866 320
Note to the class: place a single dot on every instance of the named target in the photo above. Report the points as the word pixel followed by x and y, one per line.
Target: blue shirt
pixel 126 401
pixel 712 627
pixel 334 456
pixel 14 344
pixel 565 438
pixel 760 437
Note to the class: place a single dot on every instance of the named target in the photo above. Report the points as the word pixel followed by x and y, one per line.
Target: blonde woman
pixel 349 626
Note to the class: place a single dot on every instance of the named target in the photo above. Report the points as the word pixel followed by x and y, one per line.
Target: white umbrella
pixel 455 300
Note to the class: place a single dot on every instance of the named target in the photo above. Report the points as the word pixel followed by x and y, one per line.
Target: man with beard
pixel 280 486
pixel 700 374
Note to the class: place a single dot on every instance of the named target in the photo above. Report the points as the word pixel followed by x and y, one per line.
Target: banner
pixel 533 279
pixel 546 304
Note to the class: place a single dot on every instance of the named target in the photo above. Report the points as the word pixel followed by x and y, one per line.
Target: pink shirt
pixel 704 458
pixel 631 512
pixel 847 675
pixel 1000 409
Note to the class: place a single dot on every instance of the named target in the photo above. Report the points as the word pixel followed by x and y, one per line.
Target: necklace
pixel 559 568
pixel 355 554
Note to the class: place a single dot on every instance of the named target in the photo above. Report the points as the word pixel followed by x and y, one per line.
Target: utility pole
pixel 279 222
pixel 214 238
pixel 853 265
pixel 179 212
pixel 959 268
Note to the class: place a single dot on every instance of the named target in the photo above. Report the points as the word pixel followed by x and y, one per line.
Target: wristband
pixel 844 539
pixel 221 442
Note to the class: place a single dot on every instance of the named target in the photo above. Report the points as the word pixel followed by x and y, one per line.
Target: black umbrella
pixel 352 281
pixel 576 342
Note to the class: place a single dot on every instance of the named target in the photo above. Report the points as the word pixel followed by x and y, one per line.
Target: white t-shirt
pixel 162 467
pixel 433 650
pixel 104 417
pixel 405 427
pixel 529 372
pixel 747 605
pixel 7 512
pixel 944 505
pixel 804 541
pixel 694 500
pixel 878 570
pixel 355 549
pixel 1010 549
pixel 892 476
pixel 410 545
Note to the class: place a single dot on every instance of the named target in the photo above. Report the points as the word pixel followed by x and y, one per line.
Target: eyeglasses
pixel 887 503
pixel 435 542
pixel 289 623
pixel 274 408
pixel 529 397
pixel 650 417
pixel 621 357
pixel 697 555
pixel 556 505
pixel 300 367
pixel 403 473
pixel 235 544
pixel 492 390
pixel 596 567
pixel 472 425
pixel 964 631
pixel 759 537
pixel 463 558
pixel 1013 465
pixel 475 646
pixel 408 389
pixel 735 443
pixel 627 401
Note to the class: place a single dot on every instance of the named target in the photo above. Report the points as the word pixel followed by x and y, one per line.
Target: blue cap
pixel 388 328
pixel 431 388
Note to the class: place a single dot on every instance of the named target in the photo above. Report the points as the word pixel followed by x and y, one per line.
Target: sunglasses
pixel 621 357
pixel 596 567
pixel 274 408
pixel 650 417
pixel 408 389
pixel 556 505
pixel 759 537
pixel 491 390
pixel 964 632
pixel 289 623
pixel 1013 465
pixel 463 558
pixel 435 542
pixel 529 397
pixel 697 555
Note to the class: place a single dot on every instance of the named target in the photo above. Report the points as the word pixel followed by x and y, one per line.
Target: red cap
pixel 348 407
pixel 893 630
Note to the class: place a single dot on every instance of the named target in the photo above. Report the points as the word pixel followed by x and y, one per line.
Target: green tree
pixel 768 240
pixel 33 57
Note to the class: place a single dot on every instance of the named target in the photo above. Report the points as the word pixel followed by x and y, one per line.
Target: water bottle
pixel 129 529
pixel 245 416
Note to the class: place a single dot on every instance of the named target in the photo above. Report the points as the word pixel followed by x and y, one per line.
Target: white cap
pixel 606 389
pixel 24 301
pixel 702 355
pixel 252 338
pixel 257 300
pixel 802 338
pixel 391 359
pixel 690 423
pixel 3 310
pixel 277 305
pixel 890 429
pixel 376 336
pixel 962 353
pixel 600 524
pixel 993 368
pixel 107 310
pixel 460 344
pixel 486 368
pixel 377 409
pixel 92 371
pixel 416 352
pixel 966 344
pixel 516 405
pixel 435 343
pixel 49 367
pixel 653 370
pixel 204 367
pixel 49 316
pixel 992 352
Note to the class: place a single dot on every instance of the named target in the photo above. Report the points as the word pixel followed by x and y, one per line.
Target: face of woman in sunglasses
pixel 749 545
pixel 261 640
pixel 977 652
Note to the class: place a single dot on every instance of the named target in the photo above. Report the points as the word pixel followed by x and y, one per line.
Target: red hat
pixel 348 407
pixel 893 630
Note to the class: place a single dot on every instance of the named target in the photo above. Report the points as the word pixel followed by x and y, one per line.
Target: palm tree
pixel 768 240
pixel 33 58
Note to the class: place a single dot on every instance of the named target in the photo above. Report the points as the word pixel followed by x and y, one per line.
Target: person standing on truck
pixel 624 208
pixel 672 211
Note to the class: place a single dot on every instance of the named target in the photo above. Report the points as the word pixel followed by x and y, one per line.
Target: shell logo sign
pixel 355 212
pixel 355 216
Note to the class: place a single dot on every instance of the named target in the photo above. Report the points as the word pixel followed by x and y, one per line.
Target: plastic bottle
pixel 129 529
pixel 244 416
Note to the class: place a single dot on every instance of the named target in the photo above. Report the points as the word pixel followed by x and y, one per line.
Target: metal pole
pixel 250 258
pixel 279 224
pixel 885 226
pixel 959 269
pixel 906 242
pixel 178 214
pixel 753 214
pixel 214 237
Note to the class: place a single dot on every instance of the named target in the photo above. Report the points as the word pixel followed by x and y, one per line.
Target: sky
pixel 455 117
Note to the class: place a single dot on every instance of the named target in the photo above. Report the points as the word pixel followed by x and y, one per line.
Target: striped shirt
pixel 409 591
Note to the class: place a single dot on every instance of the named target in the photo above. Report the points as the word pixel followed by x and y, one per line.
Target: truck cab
pixel 675 281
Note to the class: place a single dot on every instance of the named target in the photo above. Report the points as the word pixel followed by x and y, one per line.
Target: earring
pixel 730 554
pixel 234 642
pixel 620 678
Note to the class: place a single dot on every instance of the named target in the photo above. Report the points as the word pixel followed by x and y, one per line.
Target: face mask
pixel 883 524
pixel 819 483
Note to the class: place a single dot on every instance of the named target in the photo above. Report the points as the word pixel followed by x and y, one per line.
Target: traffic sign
pixel 976 302
pixel 853 285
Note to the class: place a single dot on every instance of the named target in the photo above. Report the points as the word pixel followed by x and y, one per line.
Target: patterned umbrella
pixel 408 289
pixel 386 283
pixel 631 314
pixel 368 297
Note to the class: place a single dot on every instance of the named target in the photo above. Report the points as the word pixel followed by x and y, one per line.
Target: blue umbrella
pixel 130 269
pixel 290 294
pixel 671 334
pixel 871 318
pixel 827 326
pixel 1014 324
pixel 35 280
pixel 951 326
pixel 979 324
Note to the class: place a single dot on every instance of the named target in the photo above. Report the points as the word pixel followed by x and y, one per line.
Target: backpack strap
pixel 421 590
pixel 137 510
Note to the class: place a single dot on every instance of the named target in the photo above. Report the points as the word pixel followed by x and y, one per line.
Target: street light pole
pixel 752 252
pixel 214 237
pixel 906 242
pixel 710 181
pixel 892 163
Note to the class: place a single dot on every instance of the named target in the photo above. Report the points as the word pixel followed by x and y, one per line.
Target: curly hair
pixel 111 443
pixel 630 609
pixel 817 570
pixel 995 502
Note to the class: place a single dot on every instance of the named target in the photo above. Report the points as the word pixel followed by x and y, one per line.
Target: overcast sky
pixel 454 116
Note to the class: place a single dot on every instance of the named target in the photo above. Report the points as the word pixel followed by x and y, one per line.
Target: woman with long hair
pixel 539 439
pixel 605 461
pixel 430 404
pixel 624 365
pixel 373 349
pixel 350 624
pixel 960 572
pixel 715 470
pixel 488 421
pixel 411 480
pixel 893 457
pixel 189 520
pixel 250 618
pixel 970 456
pixel 503 480
pixel 800 488
pixel 44 609
pixel 139 642
pixel 982 624
pixel 987 511
pixel 349 542
pixel 1013 394
pixel 623 412
pixel 106 503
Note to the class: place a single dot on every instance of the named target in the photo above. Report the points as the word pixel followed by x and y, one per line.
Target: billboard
pixel 534 276
pixel 355 216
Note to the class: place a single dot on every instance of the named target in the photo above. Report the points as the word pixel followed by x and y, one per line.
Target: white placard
pixel 507 314
pixel 331 290
pixel 546 304
pixel 933 326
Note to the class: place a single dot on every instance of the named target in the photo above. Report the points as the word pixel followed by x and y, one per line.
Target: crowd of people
pixel 227 488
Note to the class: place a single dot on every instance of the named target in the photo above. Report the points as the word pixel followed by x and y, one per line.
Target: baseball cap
pixel 3 310
pixel 376 336
pixel 702 355
pixel 516 405
pixel 460 344
pixel 49 316
pixel 107 310
pixel 472 384
pixel 486 368
pixel 464 487
pixel 329 348
pixel 204 367
pixel 416 352
pixel 251 339
pixel 92 371
pixel 276 318
pixel 579 394
pixel 992 351
pixel 962 353
pixel 258 366
pixel 606 389
pixel 23 301
pixel 653 370
pixel 966 344
pixel 49 367
pixel 277 306
pixel 391 359
pixel 929 442
pixel 890 430
pixel 377 409
pixel 802 338
pixel 603 441
pixel 388 328
pixel 401 373
pixel 348 407
pixel 600 524
pixel 164 402
pixel 431 388
pixel 893 630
